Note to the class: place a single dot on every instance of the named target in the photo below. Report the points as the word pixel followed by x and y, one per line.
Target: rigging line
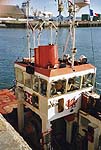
pixel 52 24
pixel 66 44
pixel 33 33
pixel 92 46
pixel 56 37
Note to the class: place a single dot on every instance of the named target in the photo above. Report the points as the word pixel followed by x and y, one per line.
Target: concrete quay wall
pixel 22 24
pixel 9 138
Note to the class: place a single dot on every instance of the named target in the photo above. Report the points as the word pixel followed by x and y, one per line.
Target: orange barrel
pixel 48 55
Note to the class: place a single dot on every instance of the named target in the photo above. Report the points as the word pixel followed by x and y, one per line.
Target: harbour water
pixel 13 46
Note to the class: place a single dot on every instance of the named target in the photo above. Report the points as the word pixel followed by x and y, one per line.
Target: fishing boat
pixel 58 107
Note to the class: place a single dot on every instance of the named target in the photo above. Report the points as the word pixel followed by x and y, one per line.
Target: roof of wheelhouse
pixel 49 72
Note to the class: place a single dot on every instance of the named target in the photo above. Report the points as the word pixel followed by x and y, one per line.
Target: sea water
pixel 13 46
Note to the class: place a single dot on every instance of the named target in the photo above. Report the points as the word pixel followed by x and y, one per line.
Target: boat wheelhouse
pixel 51 87
pixel 55 89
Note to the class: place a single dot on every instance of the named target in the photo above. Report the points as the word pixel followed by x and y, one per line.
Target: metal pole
pixel 20 109
pixel 73 32
pixel 51 35
pixel 73 35
pixel 28 32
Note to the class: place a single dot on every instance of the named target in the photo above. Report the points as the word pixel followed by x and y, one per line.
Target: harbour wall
pixel 22 24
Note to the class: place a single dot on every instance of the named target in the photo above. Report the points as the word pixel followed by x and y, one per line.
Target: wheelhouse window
pixel 19 75
pixel 27 80
pixel 73 84
pixel 88 80
pixel 58 87
pixel 77 82
pixel 43 87
pixel 35 101
pixel 36 84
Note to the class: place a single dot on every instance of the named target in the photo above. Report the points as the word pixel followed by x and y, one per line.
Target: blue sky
pixel 51 5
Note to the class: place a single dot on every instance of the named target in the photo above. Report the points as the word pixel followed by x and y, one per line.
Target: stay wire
pixel 92 46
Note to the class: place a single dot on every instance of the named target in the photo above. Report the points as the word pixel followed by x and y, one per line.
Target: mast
pixel 28 32
pixel 73 30
pixel 74 6
pixel 71 5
